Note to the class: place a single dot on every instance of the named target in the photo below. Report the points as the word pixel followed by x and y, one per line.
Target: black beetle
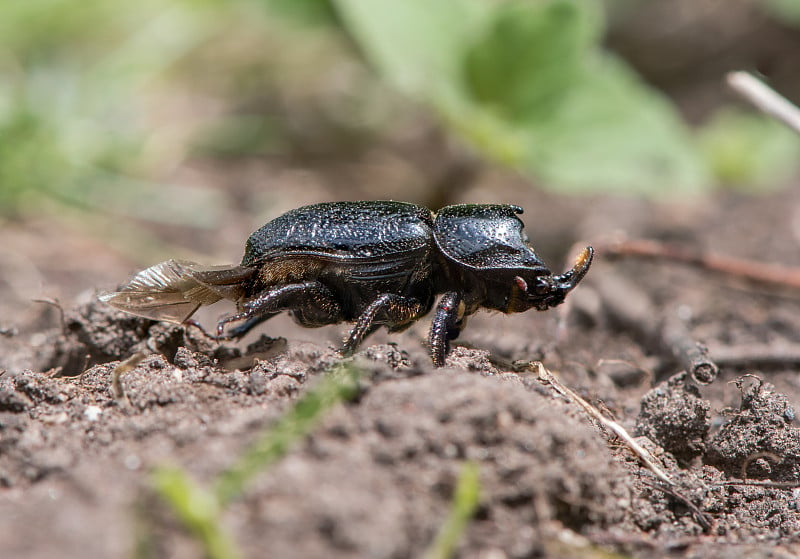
pixel 370 263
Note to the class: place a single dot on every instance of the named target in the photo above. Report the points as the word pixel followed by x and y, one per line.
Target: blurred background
pixel 133 132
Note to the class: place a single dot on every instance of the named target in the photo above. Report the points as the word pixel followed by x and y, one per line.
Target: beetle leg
pixel 272 301
pixel 195 324
pixel 240 331
pixel 395 311
pixel 446 326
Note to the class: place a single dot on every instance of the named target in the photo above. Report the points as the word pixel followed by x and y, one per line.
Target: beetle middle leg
pixel 394 311
pixel 310 296
pixel 447 323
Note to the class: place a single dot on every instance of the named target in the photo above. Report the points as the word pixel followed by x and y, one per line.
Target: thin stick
pixel 116 377
pixel 757 354
pixel 750 270
pixel 765 98
pixel 701 517
pixel 55 303
pixel 691 355
pixel 753 457
pixel 546 377
pixel 760 483
pixel 632 308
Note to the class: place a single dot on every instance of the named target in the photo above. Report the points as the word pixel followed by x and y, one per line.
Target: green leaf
pixel 416 44
pixel 749 150
pixel 613 133
pixel 787 11
pixel 531 54
pixel 309 12
pixel 525 85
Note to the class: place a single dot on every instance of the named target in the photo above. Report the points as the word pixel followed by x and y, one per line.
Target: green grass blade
pixel 197 509
pixel 337 386
pixel 465 503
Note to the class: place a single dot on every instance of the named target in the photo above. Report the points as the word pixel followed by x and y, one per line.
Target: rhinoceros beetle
pixel 369 263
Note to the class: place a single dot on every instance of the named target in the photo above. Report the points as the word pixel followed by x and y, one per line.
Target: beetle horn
pixel 569 279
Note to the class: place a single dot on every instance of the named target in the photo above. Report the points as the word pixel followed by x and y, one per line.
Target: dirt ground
pixel 376 478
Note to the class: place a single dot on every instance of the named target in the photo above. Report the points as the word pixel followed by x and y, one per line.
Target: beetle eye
pixel 542 286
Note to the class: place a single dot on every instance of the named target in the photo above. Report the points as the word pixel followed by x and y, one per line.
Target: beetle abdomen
pixel 343 230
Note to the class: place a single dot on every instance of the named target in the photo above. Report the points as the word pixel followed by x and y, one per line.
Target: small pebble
pixel 92 413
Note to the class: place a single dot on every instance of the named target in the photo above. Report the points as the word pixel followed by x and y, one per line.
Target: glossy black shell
pixel 343 230
pixel 357 250
pixel 486 237
pixel 370 263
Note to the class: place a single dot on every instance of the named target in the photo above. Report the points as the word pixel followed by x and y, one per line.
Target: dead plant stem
pixel 749 270
pixel 765 98
pixel 546 377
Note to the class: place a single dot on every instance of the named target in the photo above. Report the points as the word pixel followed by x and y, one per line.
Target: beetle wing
pixel 351 231
pixel 173 290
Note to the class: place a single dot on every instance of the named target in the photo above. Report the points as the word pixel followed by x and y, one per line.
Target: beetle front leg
pixel 446 326
pixel 282 298
pixel 395 311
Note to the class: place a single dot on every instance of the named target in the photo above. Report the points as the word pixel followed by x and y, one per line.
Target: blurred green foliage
pixel 528 84
pixel 197 509
pixel 466 499
pixel 72 103
pixel 84 88
pixel 788 11
pixel 746 150
pixel 339 385
pixel 200 510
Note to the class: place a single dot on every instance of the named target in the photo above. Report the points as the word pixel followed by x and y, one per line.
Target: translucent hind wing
pixel 173 290
pixel 228 282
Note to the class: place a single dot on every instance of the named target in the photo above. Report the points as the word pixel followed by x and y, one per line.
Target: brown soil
pixel 376 478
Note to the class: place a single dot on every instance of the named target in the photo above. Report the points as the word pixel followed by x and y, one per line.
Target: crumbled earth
pixel 674 415
pixel 758 440
pixel 80 434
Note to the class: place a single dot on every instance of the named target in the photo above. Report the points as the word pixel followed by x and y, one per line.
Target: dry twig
pixel 703 519
pixel 116 376
pixel 546 377
pixel 748 270
pixel 757 354
pixel 690 354
pixel 769 484
pixel 632 308
pixel 756 456
pixel 57 304
pixel 765 98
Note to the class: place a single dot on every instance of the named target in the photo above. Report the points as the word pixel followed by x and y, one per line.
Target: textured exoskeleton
pixel 369 263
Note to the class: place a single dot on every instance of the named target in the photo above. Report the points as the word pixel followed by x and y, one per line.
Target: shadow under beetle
pixel 369 263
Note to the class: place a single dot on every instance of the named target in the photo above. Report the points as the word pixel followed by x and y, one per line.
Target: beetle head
pixel 543 292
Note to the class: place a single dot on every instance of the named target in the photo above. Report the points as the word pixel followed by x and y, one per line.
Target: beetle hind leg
pixel 241 330
pixel 312 297
pixel 394 311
